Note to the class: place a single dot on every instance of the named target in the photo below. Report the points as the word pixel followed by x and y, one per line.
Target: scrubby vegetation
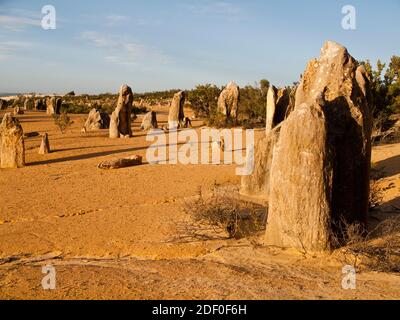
pixel 203 100
pixel 252 109
pixel 62 121
pixel 385 83
pixel 156 96
pixel 105 102
pixel 375 192
pixel 376 247
pixel 221 213
pixel 385 87
pixel 376 250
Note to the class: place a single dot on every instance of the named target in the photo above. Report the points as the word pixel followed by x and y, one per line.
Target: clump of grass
pixel 224 214
pixel 377 250
pixel 375 192
pixel 375 195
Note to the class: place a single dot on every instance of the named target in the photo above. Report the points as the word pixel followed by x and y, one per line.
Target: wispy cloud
pixel 9 49
pixel 17 20
pixel 123 51
pixel 215 8
pixel 116 20
pixel 17 23
pixel 96 39
pixel 148 22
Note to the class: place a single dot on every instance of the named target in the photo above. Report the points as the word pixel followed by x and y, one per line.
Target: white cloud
pixel 16 19
pixel 218 8
pixel 96 39
pixel 114 20
pixel 123 51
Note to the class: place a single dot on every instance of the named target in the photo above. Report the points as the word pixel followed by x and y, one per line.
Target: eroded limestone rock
pixel 228 101
pixel 12 147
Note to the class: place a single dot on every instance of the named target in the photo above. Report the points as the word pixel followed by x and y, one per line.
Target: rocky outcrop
pixel 39 104
pixel 16 102
pixel 283 103
pixel 271 107
pixel 97 120
pixel 120 120
pixel 12 147
pixel 176 114
pixel 256 184
pixel 3 104
pixel 345 89
pixel 114 123
pixel 300 183
pixel 319 175
pixel 28 103
pixel 228 101
pixel 51 105
pixel 278 105
pixel 149 121
pixel 18 110
pixel 58 105
pixel 121 163
pixel 44 145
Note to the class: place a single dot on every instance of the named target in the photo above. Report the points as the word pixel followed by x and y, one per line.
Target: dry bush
pixel 221 213
pixel 375 195
pixel 375 250
pixel 375 191
pixel 219 121
pixel 62 121
pixel 377 128
pixel 348 234
pixel 384 130
pixel 379 250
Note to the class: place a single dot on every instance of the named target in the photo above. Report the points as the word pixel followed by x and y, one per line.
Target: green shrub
pixel 62 121
pixel 203 100
pixel 74 108
pixel 253 102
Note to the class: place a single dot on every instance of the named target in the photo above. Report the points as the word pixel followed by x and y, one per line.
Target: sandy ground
pixel 112 234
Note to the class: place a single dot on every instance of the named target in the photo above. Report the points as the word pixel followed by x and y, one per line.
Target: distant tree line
pixel 385 85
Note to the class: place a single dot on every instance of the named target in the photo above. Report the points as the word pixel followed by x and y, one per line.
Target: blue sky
pixel 160 44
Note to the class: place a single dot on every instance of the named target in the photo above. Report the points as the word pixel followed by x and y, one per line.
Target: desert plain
pixel 114 234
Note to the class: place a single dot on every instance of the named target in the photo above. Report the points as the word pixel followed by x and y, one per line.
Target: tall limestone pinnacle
pixel 319 175
pixel 176 113
pixel 120 120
